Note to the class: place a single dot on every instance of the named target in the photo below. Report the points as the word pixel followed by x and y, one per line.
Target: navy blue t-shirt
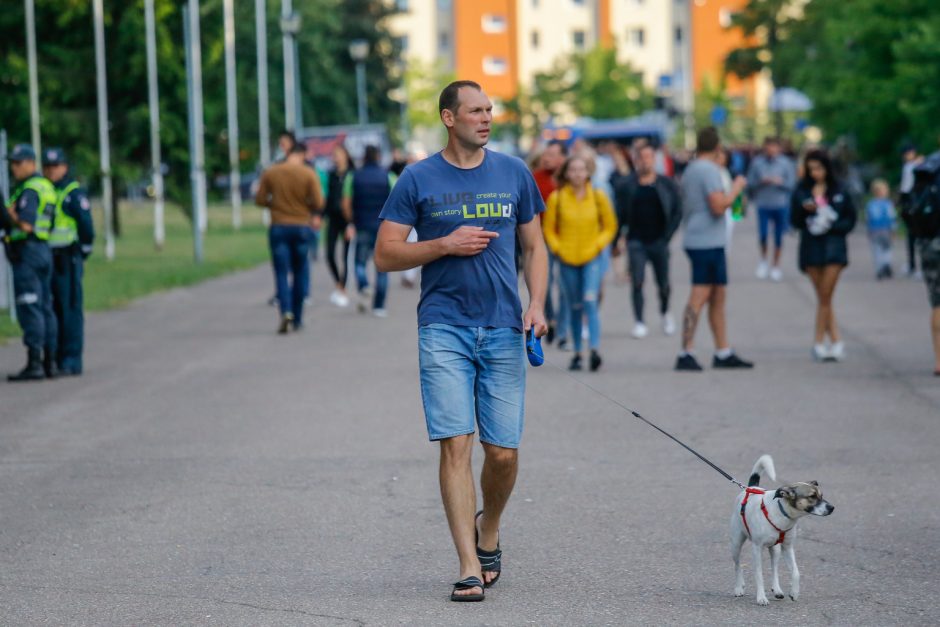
pixel 437 198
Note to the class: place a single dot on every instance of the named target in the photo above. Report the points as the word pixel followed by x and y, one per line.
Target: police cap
pixel 54 156
pixel 22 152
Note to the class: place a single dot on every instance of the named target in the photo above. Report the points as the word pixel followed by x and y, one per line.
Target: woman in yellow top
pixel 579 224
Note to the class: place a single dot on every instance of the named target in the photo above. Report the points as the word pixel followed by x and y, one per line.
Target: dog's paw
pixel 739 591
pixel 795 595
pixel 778 594
pixel 762 601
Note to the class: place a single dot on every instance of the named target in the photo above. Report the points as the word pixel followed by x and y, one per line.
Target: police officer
pixel 27 220
pixel 71 242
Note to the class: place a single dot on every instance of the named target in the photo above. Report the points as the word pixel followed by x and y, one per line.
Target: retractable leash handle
pixel 533 349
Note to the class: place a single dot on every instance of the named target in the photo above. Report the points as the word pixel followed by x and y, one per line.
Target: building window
pixel 494 24
pixel 636 37
pixel 535 39
pixel 495 66
pixel 535 4
pixel 580 3
pixel 678 34
pixel 403 43
pixel 724 17
pixel 443 40
pixel 401 5
pixel 444 5
pixel 577 37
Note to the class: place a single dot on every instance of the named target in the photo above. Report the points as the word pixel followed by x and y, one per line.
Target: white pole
pixel 33 78
pixel 103 141
pixel 235 175
pixel 159 229
pixel 264 120
pixel 290 98
pixel 5 192
pixel 193 85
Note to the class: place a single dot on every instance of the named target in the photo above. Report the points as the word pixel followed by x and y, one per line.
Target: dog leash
pixel 637 414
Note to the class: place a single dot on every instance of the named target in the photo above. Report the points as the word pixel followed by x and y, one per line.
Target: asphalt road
pixel 207 472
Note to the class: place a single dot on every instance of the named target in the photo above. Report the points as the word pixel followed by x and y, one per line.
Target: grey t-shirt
pixel 703 229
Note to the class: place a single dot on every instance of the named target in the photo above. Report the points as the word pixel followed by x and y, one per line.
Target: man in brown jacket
pixel 291 190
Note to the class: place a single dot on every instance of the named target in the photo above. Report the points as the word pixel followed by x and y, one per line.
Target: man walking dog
pixel 468 206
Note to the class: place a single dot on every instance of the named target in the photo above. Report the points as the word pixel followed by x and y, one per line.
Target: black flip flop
pixel 467 584
pixel 490 561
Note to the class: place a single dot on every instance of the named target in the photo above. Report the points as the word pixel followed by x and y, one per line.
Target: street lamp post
pixel 359 50
pixel 290 26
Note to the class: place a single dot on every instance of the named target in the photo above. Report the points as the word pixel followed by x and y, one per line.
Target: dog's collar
pixel 783 511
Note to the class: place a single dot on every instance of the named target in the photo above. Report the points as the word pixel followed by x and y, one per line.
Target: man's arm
pixel 78 207
pixel 263 195
pixel 535 268
pixel 719 201
pixel 316 201
pixel 394 253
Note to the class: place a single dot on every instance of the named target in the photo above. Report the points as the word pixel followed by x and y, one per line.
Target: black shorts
pixel 708 266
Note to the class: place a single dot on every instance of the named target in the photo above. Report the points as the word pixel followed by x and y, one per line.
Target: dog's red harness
pixel 747 493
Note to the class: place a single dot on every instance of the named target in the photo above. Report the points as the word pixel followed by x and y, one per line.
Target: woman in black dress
pixel 337 224
pixel 821 209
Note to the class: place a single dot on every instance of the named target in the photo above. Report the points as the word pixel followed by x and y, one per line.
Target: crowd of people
pixel 625 203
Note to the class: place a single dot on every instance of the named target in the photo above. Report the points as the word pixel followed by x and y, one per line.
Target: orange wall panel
pixel 472 45
pixel 711 43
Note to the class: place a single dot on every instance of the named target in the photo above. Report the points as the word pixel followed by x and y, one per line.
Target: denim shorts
pixel 472 376
pixel 708 266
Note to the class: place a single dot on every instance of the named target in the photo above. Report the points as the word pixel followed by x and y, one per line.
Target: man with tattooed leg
pixel 705 201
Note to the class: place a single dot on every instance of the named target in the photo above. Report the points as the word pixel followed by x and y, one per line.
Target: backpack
pixel 922 213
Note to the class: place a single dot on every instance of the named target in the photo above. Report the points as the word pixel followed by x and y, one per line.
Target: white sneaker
pixel 380 313
pixel 821 352
pixel 339 299
pixel 776 274
pixel 837 351
pixel 639 331
pixel 762 270
pixel 365 299
pixel 669 323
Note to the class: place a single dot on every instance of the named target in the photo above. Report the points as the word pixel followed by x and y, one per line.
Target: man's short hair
pixel 450 97
pixel 298 148
pixel 772 139
pixel 707 140
pixel 561 146
pixel 372 154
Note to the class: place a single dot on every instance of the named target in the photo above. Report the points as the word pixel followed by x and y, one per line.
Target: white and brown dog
pixel 768 519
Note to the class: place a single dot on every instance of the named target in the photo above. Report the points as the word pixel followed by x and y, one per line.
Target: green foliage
pixel 593 84
pixel 67 79
pixel 871 69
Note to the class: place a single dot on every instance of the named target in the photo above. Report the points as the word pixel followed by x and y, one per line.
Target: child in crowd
pixel 882 222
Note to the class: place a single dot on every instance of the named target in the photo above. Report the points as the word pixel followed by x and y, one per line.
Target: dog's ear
pixel 785 493
pixel 815 484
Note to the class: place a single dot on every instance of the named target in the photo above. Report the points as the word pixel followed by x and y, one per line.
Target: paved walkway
pixel 208 472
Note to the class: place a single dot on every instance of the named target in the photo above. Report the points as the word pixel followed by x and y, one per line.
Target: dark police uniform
pixel 34 201
pixel 71 242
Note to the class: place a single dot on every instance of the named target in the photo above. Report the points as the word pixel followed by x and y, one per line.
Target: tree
pixel 764 24
pixel 593 84
pixel 67 78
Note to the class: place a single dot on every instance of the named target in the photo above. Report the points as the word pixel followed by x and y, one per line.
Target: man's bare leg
pixel 716 317
pixel 500 467
pixel 459 496
pixel 697 299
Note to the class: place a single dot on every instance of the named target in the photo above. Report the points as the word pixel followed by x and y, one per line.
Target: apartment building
pixel 503 44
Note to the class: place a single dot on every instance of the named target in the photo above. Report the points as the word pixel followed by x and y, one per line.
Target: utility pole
pixel 231 97
pixel 159 229
pixel 33 78
pixel 196 142
pixel 290 24
pixel 103 140
pixel 264 118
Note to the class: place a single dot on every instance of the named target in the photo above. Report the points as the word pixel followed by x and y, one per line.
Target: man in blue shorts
pixel 468 206
pixel 705 200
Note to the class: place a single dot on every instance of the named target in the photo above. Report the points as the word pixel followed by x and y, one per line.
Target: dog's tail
pixel 764 463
